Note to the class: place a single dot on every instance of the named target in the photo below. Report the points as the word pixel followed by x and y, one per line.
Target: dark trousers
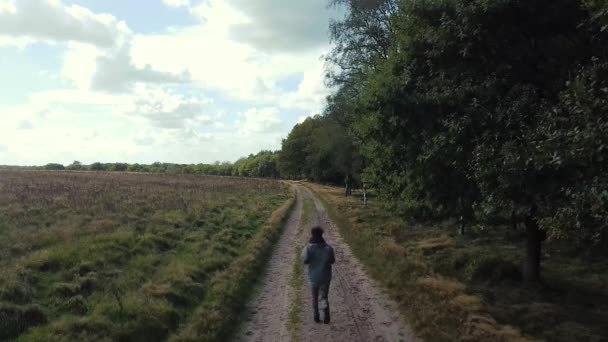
pixel 320 292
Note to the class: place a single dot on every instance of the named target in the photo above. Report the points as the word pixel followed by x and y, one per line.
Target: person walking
pixel 319 256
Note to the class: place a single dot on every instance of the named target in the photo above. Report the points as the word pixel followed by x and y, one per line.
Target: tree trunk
pixel 513 220
pixel 461 225
pixel 533 250
pixel 346 186
pixel 461 219
pixel 349 187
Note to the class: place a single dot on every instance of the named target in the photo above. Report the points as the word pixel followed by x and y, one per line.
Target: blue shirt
pixel 319 257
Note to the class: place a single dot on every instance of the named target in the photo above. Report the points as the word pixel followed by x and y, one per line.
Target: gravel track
pixel 360 310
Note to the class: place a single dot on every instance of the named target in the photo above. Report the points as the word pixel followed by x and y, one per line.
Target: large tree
pixel 322 150
pixel 293 161
pixel 360 38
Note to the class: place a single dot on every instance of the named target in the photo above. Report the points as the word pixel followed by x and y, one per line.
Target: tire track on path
pixel 267 313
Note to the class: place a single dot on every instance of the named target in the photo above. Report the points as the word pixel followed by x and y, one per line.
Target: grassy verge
pixel 124 257
pixel 469 288
pixel 297 278
pixel 229 290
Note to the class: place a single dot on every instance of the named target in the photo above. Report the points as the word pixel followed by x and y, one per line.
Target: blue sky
pixel 156 80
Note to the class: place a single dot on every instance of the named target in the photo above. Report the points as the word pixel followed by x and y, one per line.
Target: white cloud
pixel 264 120
pixel 18 42
pixel 169 110
pixel 303 118
pixel 146 105
pixel 162 139
pixel 282 25
pixel 117 73
pixel 113 70
pixel 8 7
pixel 52 20
pixel 58 134
pixel 311 93
pixel 79 97
pixel 214 61
pixel 79 64
pixel 240 71
pixel 177 3
pixel 25 124
pixel 144 138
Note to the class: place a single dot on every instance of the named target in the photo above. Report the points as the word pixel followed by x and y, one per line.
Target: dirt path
pixel 360 311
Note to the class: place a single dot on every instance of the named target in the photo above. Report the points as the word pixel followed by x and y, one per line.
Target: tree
pixel 97 166
pixel 360 38
pixel 293 160
pixel 267 166
pixel 321 150
pixel 340 117
pixel 517 159
pixel 54 167
pixel 120 167
pixel 136 168
pixel 572 144
pixel 332 155
pixel 75 166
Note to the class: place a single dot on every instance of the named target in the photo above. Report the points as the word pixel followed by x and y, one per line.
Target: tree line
pixel 261 165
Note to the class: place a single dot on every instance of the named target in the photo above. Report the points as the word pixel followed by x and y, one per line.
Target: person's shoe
pixel 316 318
pixel 326 318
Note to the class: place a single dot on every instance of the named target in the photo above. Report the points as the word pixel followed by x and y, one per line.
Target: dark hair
pixel 316 235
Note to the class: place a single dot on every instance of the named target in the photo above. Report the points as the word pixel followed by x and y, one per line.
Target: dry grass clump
pixel 467 302
pixel 485 328
pixel 389 247
pixel 441 285
pixel 432 245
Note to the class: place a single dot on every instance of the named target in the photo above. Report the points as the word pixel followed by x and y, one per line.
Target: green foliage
pixel 97 166
pixel 571 144
pixel 481 108
pixel 118 167
pixel 75 166
pixel 360 39
pixel 295 149
pixel 265 164
pixel 320 149
pixel 54 167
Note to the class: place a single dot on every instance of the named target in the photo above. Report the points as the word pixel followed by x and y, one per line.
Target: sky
pixel 139 81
